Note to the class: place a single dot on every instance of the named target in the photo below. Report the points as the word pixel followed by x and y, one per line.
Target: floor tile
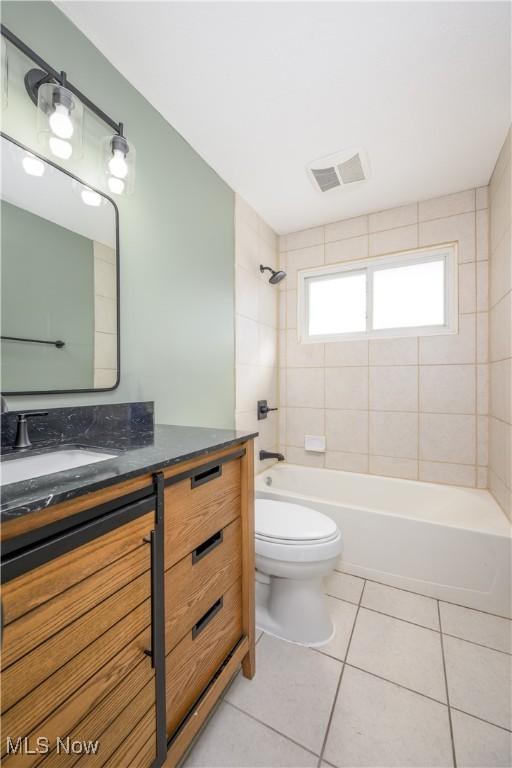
pixel 343 616
pixel 402 605
pixel 344 586
pixel 478 744
pixel 292 691
pixel 376 723
pixel 479 680
pixel 477 627
pixel 401 652
pixel 232 739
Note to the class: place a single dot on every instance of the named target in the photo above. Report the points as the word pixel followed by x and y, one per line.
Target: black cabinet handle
pixel 207 546
pixel 208 616
pixel 204 477
pixel 154 587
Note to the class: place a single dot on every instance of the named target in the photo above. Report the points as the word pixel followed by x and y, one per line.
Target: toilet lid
pixel 283 521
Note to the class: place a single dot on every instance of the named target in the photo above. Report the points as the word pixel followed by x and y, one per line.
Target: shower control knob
pixel 263 409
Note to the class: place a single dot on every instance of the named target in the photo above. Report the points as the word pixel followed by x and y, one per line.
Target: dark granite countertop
pixel 147 450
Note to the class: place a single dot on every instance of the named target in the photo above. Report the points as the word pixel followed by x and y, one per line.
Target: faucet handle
pixel 26 414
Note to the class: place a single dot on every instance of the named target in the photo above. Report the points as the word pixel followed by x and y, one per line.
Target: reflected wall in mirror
pixel 60 279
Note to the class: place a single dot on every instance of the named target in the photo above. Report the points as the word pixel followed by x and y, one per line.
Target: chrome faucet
pixel 269 455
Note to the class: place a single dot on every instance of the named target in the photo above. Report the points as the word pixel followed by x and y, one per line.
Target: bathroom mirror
pixel 60 279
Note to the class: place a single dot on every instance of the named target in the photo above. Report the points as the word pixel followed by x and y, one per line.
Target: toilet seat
pixel 293 533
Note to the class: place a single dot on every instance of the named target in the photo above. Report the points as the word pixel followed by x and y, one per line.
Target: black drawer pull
pixel 206 476
pixel 207 546
pixel 208 616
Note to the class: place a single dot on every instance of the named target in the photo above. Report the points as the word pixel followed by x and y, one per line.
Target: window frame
pixel 444 251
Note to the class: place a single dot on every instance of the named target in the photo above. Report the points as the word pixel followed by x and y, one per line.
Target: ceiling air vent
pixel 350 166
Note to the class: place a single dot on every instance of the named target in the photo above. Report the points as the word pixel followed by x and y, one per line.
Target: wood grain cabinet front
pixel 75 664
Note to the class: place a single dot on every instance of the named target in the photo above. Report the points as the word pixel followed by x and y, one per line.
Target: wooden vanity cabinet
pixel 126 628
pixel 77 637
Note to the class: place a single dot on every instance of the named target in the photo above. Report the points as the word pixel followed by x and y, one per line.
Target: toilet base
pixel 293 609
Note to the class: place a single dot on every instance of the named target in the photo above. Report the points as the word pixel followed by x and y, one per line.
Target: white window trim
pixel 415 256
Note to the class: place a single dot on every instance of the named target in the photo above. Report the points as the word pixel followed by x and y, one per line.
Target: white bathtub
pixel 447 542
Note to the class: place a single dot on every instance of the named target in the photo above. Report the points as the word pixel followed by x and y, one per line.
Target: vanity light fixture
pixel 60 108
pixel 90 197
pixel 32 165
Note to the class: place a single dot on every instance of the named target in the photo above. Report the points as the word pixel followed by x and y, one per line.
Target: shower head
pixel 276 276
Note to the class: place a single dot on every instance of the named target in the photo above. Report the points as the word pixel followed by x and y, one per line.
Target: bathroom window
pixel 401 294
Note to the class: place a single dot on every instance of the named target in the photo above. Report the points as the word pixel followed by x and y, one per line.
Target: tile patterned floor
pixel 406 681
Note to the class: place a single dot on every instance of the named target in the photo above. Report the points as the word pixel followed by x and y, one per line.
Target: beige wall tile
pixel 291 309
pixel 303 355
pixel 305 238
pixel 348 462
pixel 347 250
pixel 482 337
pixel 346 388
pixel 501 390
pixel 451 348
pixel 246 334
pixel 305 387
pixel 246 293
pixel 500 329
pixel 281 244
pixel 247 387
pixel 391 467
pixel 245 216
pixel 448 438
pixel 449 474
pixel 105 315
pixel 447 389
pixel 482 235
pixel 459 228
pixel 482 478
pixel 500 446
pixel 267 303
pixel 340 230
pixel 482 440
pixel 501 269
pixel 467 288
pixel 393 218
pixel 448 205
pixel 501 493
pixel 346 353
pixel 301 422
pixel 482 389
pixel 394 434
pixel 400 239
pixel 394 388
pixel 347 431
pixel 394 351
pixel 282 309
pixel 304 458
pixel 482 286
pixel 482 198
pixel 302 259
pixel 104 378
pixel 105 279
pixel 499 220
pixel 105 350
pixel 282 349
pixel 247 248
pixel 267 346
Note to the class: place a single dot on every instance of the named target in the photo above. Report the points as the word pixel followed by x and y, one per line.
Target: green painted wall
pixel 47 292
pixel 176 235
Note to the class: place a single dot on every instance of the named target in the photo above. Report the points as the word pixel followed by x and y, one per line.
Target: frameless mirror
pixel 60 279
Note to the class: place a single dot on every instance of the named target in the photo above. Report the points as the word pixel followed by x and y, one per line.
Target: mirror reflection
pixel 59 314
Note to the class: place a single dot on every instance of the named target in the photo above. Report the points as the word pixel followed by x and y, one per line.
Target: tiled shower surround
pixel 500 317
pixel 414 408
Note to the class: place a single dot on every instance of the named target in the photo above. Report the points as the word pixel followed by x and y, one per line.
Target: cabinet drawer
pixel 194 661
pixel 197 581
pixel 199 506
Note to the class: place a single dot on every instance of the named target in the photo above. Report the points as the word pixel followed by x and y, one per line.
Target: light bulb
pixel 116 185
pixel 60 148
pixel 33 165
pixel 61 123
pixel 117 164
pixel 90 197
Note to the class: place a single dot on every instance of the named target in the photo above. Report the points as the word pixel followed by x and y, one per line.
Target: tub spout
pixel 269 455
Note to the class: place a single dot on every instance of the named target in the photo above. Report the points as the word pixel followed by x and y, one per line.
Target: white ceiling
pixel 260 89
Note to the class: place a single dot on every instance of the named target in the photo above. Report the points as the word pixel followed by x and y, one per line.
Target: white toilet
pixel 296 547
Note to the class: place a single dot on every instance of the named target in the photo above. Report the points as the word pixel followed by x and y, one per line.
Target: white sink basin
pixel 26 467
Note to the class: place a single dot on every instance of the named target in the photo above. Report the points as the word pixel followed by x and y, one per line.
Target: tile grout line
pixel 446 686
pixel 420 594
pixel 340 679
